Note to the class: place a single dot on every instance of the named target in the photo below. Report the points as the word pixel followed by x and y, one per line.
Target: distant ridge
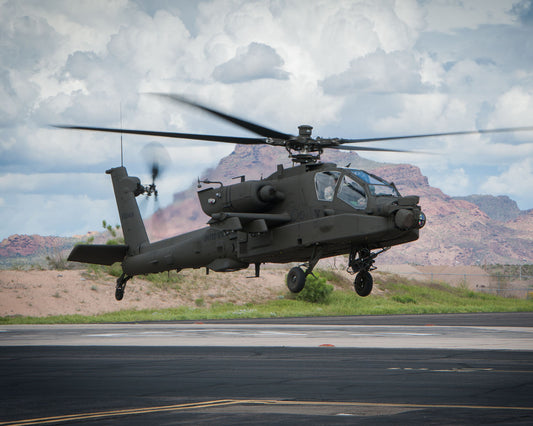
pixel 499 207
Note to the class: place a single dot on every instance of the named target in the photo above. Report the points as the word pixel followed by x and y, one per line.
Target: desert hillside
pixel 41 293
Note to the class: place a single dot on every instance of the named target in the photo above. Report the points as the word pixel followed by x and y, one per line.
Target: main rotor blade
pixel 368 148
pixel 256 128
pixel 192 136
pixel 430 135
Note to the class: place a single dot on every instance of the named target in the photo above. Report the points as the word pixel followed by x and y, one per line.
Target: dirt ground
pixel 44 293
pixel 472 277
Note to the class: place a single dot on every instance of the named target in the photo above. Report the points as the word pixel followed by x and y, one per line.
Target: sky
pixel 351 69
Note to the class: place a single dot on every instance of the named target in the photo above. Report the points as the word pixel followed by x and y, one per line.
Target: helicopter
pixel 300 214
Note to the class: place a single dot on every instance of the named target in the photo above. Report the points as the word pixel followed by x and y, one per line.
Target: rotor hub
pixel 305 130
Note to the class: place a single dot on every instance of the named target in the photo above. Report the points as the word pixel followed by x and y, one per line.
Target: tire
pixel 121 286
pixel 119 293
pixel 296 280
pixel 363 283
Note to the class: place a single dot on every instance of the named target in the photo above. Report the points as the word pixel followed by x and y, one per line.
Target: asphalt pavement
pixel 69 383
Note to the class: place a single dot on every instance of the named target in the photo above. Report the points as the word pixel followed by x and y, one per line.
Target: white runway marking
pixel 273 335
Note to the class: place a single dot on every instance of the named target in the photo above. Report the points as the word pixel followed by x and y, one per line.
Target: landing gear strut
pixel 121 285
pixel 362 262
pixel 297 276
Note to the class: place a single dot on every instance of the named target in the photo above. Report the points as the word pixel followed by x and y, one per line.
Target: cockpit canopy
pixel 352 186
pixel 376 185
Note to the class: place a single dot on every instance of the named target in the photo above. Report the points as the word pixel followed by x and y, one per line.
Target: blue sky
pixel 349 68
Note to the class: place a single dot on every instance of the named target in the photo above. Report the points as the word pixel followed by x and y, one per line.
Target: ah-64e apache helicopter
pixel 304 213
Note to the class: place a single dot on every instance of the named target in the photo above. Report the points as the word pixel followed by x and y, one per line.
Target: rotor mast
pixel 303 149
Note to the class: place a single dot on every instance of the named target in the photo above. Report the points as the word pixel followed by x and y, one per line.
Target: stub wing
pixel 99 254
pixel 249 222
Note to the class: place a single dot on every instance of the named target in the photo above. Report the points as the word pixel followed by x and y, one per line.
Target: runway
pixel 187 373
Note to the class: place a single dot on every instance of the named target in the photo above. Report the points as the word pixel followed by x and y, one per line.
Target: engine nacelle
pixel 245 197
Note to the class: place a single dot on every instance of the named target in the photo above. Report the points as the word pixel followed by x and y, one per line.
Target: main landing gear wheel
pixel 296 280
pixel 121 286
pixel 363 283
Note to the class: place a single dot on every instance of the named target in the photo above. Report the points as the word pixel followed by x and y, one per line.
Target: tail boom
pixel 126 188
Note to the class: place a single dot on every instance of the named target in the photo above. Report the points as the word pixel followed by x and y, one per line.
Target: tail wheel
pixel 119 293
pixel 363 283
pixel 296 280
pixel 121 285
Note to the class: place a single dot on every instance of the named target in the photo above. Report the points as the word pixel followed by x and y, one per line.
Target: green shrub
pixel 115 269
pixel 166 280
pixel 57 261
pixel 316 290
pixel 115 241
pixel 403 299
pixel 336 278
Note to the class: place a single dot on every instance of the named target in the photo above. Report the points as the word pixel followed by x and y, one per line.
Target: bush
pixel 316 290
pixel 57 261
pixel 336 278
pixel 166 280
pixel 115 241
pixel 115 269
pixel 403 299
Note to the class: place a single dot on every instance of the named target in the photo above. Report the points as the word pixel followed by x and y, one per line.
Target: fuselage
pixel 291 216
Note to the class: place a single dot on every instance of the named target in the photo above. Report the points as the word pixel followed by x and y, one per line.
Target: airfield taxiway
pixel 322 371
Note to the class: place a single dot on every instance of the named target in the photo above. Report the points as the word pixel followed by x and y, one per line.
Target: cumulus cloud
pixel 350 68
pixel 524 11
pixel 456 182
pixel 511 181
pixel 255 62
pixel 52 214
pixel 513 108
pixel 445 17
pixel 378 72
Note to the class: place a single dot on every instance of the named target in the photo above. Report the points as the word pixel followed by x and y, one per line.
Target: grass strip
pixel 397 296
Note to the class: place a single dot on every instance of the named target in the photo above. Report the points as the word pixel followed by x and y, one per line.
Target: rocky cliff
pixel 17 250
pixel 30 245
pixel 499 207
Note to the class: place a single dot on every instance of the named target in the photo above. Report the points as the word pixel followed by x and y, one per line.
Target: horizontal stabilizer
pixel 100 254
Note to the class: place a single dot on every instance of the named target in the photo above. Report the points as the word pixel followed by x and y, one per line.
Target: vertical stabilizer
pixel 126 189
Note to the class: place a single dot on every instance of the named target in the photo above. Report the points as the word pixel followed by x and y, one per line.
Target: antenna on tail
pixel 121 145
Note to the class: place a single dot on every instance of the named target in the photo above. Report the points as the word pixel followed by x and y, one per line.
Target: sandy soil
pixel 473 277
pixel 43 293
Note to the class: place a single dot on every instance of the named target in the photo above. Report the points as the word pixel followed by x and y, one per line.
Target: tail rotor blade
pixel 157 159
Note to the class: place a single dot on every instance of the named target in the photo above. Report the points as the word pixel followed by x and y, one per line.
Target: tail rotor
pixel 157 160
